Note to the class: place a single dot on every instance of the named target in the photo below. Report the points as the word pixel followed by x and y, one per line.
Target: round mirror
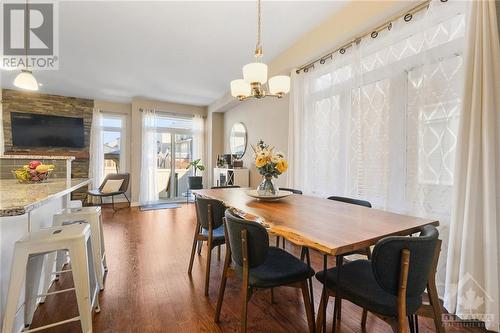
pixel 238 140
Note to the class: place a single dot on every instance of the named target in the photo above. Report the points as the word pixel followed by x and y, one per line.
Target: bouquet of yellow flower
pixel 268 162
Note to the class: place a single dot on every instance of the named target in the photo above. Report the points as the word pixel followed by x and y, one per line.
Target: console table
pixel 227 177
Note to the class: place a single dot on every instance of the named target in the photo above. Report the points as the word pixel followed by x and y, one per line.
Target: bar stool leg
pixel 48 273
pixel 96 253
pixel 103 248
pixel 61 260
pixel 32 285
pixel 79 266
pixel 17 277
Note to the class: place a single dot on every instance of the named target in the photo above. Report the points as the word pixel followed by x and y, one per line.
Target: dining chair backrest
pixel 217 208
pixel 257 240
pixel 353 201
pixel 117 176
pixel 225 186
pixel 386 261
pixel 290 190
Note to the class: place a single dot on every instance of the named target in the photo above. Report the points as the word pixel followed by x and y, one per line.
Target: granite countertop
pixel 34 157
pixel 18 199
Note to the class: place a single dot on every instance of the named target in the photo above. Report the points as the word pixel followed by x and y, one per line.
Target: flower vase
pixel 267 187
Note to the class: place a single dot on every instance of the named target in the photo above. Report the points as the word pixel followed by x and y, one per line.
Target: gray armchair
pixel 122 191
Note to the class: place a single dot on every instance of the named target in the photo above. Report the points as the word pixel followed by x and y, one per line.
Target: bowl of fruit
pixel 33 172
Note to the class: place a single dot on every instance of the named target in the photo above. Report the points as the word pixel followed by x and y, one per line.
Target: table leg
pixel 338 296
pixel 325 292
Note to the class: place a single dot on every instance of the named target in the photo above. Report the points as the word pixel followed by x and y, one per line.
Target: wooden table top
pixel 327 226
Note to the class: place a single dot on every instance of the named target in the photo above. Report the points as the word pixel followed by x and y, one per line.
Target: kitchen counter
pixel 19 199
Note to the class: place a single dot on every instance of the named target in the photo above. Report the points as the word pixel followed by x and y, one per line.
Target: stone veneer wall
pixel 18 101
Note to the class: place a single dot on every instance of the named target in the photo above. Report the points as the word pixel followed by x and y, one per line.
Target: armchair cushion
pixel 98 193
pixel 112 185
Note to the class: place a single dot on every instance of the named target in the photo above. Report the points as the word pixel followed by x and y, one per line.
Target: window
pixel 113 126
pixel 380 121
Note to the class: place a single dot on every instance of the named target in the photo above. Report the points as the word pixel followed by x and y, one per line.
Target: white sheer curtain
pixel 148 187
pixel 198 128
pixel 472 279
pixel 96 161
pixel 294 173
pixel 379 122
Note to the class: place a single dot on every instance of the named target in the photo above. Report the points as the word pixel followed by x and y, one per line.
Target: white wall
pixel 214 142
pixel 265 119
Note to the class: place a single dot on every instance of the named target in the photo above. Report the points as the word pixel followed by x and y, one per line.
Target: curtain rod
pixel 406 15
pixel 173 114
pixel 115 112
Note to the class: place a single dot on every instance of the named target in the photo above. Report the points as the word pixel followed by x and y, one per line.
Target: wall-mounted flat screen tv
pixel 35 130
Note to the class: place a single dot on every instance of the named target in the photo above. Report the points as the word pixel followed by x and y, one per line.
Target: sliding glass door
pixel 174 140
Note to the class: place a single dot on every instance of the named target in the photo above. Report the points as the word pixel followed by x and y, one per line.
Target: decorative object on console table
pixel 230 177
pixel 228 160
pixel 220 161
pixel 270 164
pixel 194 182
pixel 238 164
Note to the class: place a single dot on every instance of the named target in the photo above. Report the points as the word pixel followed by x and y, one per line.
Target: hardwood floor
pixel 148 288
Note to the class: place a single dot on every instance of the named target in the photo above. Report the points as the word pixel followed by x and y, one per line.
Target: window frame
pixel 123 132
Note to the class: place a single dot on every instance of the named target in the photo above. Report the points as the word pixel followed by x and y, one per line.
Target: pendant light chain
pixel 258 47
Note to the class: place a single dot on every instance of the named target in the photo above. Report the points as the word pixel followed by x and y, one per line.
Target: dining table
pixel 330 227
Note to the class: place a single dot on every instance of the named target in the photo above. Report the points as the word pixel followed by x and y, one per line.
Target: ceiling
pixel 184 52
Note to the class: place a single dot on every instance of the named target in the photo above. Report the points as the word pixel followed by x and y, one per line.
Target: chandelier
pixel 255 75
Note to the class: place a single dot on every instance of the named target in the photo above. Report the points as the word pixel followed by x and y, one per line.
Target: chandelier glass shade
pixel 255 72
pixel 279 84
pixel 240 88
pixel 255 75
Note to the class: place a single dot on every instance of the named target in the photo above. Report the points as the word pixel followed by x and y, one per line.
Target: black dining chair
pixel 353 201
pixel 298 192
pixel 225 186
pixel 290 190
pixel 210 229
pixel 259 265
pixel 392 283
pixel 121 191
pixel 357 202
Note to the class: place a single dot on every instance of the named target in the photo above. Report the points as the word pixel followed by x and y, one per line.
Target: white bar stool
pixel 91 215
pixel 29 254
